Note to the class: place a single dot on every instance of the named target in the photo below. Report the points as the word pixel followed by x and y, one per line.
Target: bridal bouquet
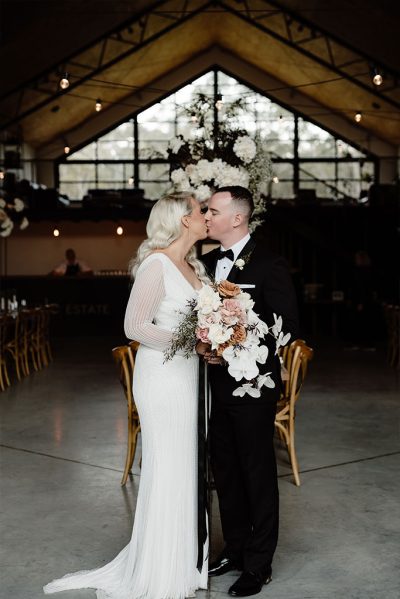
pixel 222 316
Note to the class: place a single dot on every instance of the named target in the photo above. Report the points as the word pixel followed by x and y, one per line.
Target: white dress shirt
pixel 225 264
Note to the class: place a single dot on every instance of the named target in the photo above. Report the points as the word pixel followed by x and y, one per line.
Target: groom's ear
pixel 238 219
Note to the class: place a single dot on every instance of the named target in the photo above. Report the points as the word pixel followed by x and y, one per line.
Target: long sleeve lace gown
pixel 160 560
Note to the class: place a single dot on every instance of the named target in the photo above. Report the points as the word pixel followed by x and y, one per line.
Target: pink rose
pixel 231 312
pixel 202 334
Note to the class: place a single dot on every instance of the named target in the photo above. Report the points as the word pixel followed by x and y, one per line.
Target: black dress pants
pixel 244 467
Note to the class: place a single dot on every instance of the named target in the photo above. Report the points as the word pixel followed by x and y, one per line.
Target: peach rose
pixel 239 334
pixel 228 289
pixel 220 349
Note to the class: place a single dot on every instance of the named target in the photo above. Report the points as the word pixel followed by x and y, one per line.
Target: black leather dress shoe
pixel 222 565
pixel 250 583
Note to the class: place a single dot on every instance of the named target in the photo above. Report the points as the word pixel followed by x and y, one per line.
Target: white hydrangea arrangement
pixel 204 161
pixel 11 213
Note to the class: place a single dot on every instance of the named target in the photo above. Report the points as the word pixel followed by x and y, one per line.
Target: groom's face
pixel 220 216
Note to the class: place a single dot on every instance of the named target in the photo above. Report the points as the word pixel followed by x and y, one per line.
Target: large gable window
pixel 134 154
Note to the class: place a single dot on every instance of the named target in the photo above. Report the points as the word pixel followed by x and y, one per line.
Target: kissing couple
pixel 161 559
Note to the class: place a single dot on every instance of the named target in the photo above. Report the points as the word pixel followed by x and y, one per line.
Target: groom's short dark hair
pixel 240 196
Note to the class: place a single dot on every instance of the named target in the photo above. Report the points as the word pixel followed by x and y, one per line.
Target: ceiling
pixel 315 56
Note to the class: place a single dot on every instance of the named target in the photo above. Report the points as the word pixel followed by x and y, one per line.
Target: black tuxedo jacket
pixel 273 292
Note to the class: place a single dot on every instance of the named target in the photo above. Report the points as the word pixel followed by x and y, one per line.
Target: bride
pixel 160 560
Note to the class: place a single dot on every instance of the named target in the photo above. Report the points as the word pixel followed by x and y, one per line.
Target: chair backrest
pixel 301 356
pixel 287 355
pixel 124 356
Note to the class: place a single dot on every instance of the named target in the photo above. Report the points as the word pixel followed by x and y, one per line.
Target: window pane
pixel 123 132
pixel 110 173
pixel 77 172
pixel 314 141
pixel 114 150
pixel 345 150
pixel 154 179
pixel 76 191
pixel 86 153
pixel 282 190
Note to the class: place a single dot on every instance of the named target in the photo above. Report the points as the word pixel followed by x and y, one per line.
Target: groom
pixel 242 429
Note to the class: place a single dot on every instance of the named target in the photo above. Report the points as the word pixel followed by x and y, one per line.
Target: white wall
pixel 35 251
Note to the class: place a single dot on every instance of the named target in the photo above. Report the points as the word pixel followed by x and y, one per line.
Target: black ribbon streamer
pixel 202 469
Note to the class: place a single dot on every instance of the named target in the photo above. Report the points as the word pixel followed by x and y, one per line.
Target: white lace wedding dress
pixel 160 560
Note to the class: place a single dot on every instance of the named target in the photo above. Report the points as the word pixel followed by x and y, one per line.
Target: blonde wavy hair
pixel 164 227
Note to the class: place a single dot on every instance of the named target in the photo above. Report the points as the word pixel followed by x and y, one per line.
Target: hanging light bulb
pixel 1 175
pixel 120 231
pixel 64 81
pixel 377 78
pixel 130 181
pixel 358 117
pixel 67 149
pixel 194 117
pixel 56 233
pixel 99 105
pixel 275 179
pixel 219 102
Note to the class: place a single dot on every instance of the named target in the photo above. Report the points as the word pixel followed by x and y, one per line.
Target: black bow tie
pixel 227 254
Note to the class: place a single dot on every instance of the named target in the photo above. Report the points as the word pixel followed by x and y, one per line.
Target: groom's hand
pixel 204 349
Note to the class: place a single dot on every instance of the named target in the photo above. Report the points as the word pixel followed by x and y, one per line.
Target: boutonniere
pixel 240 263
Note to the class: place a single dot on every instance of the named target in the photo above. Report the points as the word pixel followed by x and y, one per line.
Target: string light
pixel 219 103
pixel 358 117
pixel 1 175
pixel 130 181
pixel 64 81
pixel 120 231
pixel 377 78
pixel 99 105
pixel 67 149
pixel 275 179
pixel 56 233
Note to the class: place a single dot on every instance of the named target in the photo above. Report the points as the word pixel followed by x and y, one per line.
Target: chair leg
pixel 292 455
pixel 128 460
pixel 33 356
pixel 134 444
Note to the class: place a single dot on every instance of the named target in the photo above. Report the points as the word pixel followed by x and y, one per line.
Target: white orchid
pixel 265 380
pixel 282 340
pixel 247 388
pixel 277 326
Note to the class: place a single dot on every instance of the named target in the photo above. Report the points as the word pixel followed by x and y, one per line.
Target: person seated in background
pixel 71 267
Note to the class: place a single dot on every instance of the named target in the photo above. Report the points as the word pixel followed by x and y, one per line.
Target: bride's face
pixel 196 220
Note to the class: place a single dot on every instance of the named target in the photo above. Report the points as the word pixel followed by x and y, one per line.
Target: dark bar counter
pixel 92 305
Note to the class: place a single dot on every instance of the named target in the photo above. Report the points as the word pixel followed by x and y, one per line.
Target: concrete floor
pixel 63 443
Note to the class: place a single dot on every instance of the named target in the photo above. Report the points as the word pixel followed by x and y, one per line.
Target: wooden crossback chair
pixel 297 357
pixel 6 322
pixel 124 357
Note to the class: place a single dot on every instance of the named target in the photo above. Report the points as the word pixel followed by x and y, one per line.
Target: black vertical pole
pixel 136 151
pixel 216 127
